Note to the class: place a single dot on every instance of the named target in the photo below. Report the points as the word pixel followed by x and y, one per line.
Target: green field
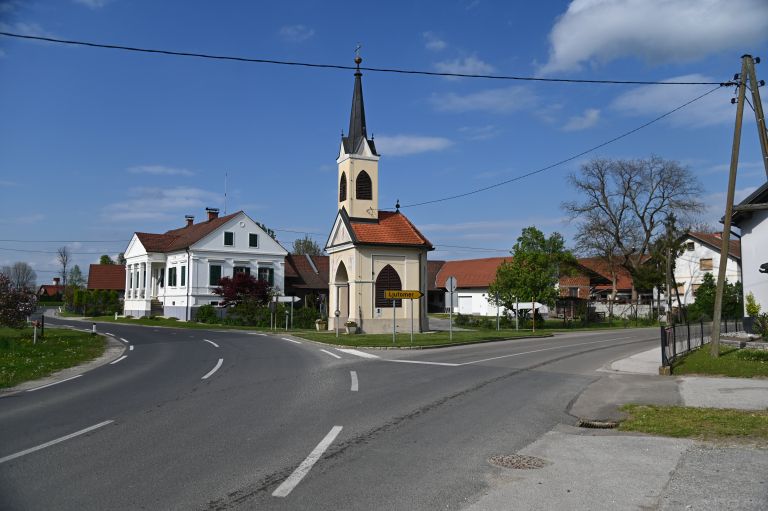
pixel 727 364
pixel 20 360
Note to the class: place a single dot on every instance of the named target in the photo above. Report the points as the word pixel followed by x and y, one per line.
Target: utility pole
pixel 725 242
pixel 670 321
pixel 757 106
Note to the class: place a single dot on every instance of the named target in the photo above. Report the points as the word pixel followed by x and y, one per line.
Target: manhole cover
pixel 517 461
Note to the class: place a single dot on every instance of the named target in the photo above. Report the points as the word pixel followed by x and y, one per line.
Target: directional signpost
pixel 450 285
pixel 401 295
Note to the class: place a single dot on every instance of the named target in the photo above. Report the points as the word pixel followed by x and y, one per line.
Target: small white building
pixel 701 256
pixel 174 273
pixel 754 245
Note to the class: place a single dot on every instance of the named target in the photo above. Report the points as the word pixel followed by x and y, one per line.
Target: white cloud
pixel 27 219
pixel 715 203
pixel 4 183
pixel 658 31
pixel 433 42
pixel 160 170
pixel 745 169
pixel 296 33
pixel 2 54
pixel 402 145
pixel 505 100
pixel 23 28
pixel 468 66
pixel 479 132
pixel 160 203
pixel 93 4
pixel 650 100
pixel 581 122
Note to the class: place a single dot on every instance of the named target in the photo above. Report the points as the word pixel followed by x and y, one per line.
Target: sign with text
pixel 402 295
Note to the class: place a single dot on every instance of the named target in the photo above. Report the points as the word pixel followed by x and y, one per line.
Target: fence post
pixel 688 327
pixel 664 360
pixel 674 342
pixel 701 323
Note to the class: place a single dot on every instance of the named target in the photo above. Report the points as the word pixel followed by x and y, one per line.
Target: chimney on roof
pixel 213 213
pixel 190 220
pixel 56 281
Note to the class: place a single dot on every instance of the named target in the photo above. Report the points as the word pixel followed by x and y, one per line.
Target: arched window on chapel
pixel 388 280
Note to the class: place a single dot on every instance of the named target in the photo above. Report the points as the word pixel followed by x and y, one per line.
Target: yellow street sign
pixel 402 295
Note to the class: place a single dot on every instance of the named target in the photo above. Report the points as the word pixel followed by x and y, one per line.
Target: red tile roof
pixel 392 228
pixel 433 268
pixel 184 237
pixel 471 272
pixel 600 266
pixel 107 276
pixel 299 273
pixel 715 240
pixel 50 290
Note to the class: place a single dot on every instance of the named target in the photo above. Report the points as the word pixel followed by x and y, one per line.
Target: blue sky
pixel 96 144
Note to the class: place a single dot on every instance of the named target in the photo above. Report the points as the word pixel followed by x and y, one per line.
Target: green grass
pixel 700 423
pixel 727 364
pixel 403 339
pixel 20 360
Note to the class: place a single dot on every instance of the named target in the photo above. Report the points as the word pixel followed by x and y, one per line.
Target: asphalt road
pixel 194 419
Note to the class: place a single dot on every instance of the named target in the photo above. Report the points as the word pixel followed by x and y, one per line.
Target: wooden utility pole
pixel 670 321
pixel 725 242
pixel 757 106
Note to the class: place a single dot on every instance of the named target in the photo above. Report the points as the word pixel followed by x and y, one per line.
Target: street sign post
pixel 395 295
pixel 450 285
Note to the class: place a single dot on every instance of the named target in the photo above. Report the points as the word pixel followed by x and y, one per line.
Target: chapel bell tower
pixel 358 161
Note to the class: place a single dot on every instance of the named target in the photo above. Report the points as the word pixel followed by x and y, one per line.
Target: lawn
pixel 727 364
pixel 20 360
pixel 403 339
pixel 700 423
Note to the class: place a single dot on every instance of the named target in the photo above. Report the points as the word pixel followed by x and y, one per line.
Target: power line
pixel 335 66
pixel 49 251
pixel 566 160
pixel 67 241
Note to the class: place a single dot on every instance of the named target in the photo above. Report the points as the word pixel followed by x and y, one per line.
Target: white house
pixel 174 273
pixel 702 256
pixel 754 244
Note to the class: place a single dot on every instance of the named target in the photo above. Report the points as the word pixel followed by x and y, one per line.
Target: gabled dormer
pixel 358 162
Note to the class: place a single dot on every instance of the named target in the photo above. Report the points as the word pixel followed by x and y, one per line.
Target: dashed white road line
pixel 290 340
pixel 211 342
pixel 210 373
pixel 295 478
pixel 124 340
pixel 353 376
pixel 56 441
pixel 130 348
pixel 357 353
pixel 54 383
pixel 448 364
pixel 118 360
pixel 334 355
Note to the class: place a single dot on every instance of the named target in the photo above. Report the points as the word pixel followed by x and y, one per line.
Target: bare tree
pixel 63 257
pixel 21 276
pixel 624 205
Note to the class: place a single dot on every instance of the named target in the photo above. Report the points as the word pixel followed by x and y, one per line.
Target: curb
pixel 433 346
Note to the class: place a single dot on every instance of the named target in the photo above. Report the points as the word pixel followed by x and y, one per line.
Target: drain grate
pixel 518 461
pixel 588 423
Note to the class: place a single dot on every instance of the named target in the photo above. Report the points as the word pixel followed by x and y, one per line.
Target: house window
pixel 573 292
pixel 229 239
pixel 689 246
pixel 388 280
pixel 183 276
pixel 172 277
pixel 694 288
pixel 267 275
pixel 363 187
pixel 253 240
pixel 242 269
pixel 705 264
pixel 681 289
pixel 214 275
pixel 343 187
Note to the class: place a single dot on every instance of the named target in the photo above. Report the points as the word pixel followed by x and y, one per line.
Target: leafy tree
pixel 534 270
pixel 105 259
pixel 121 258
pixel 753 308
pixel 15 303
pixel 62 255
pixel 704 306
pixel 76 278
pixel 243 288
pixel 267 230
pixel 21 275
pixel 306 245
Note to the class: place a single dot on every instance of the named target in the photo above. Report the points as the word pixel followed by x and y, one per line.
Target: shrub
pixel 207 314
pixel 761 325
pixel 461 320
pixel 753 355
pixel 753 308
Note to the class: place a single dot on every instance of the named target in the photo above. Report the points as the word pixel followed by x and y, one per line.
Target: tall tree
pixel 76 278
pixel 63 258
pixel 534 270
pixel 105 259
pixel 627 201
pixel 306 245
pixel 21 275
pixel 267 230
pixel 121 258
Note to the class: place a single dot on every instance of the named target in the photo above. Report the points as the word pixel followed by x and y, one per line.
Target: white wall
pixel 688 271
pixel 754 252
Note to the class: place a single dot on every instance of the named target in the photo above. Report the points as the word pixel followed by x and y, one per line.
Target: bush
pixel 207 314
pixel 461 320
pixel 752 355
pixel 760 326
pixel 753 308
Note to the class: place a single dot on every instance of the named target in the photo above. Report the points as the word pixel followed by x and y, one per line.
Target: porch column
pixel 142 279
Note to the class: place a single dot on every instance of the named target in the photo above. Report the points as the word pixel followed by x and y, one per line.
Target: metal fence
pixel 680 339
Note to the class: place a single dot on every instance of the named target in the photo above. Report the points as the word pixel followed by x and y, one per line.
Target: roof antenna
pixel 225 193
pixel 397 205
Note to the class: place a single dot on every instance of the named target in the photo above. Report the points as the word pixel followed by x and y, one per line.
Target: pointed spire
pixel 357 129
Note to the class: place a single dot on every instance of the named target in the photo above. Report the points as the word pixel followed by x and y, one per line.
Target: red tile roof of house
pixel 601 266
pixel 107 276
pixel 392 228
pixel 299 272
pixel 184 237
pixel 715 240
pixel 50 290
pixel 471 272
pixel 433 268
